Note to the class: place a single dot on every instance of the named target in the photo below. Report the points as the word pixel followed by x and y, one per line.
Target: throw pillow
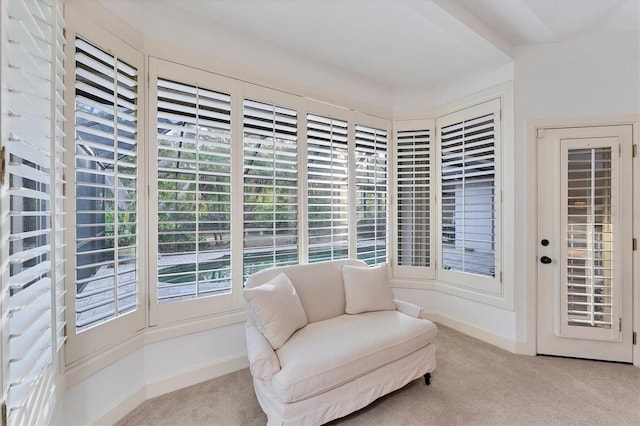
pixel 367 289
pixel 277 310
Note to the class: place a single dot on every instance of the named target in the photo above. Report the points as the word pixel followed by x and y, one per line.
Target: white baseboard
pixel 170 383
pixel 123 407
pixel 475 331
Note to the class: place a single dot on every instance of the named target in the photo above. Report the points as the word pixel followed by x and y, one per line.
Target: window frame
pixel 119 329
pixel 198 307
pixel 492 286
pixel 275 101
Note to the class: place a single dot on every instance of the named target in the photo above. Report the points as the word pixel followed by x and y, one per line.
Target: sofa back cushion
pixel 276 309
pixel 319 286
pixel 367 289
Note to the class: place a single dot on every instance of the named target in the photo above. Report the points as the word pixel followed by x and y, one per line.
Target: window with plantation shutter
pixel 328 188
pixel 106 186
pixel 468 194
pixel 413 183
pixel 194 191
pixel 32 59
pixel 371 194
pixel 270 172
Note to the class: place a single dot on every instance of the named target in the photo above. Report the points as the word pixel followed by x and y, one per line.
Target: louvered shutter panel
pixel 106 186
pixel 33 61
pixel 468 163
pixel 59 167
pixel 194 192
pixel 591 247
pixel 371 194
pixel 413 160
pixel 270 186
pixel 328 188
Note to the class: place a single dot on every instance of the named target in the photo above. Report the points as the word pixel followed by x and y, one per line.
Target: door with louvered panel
pixel 585 242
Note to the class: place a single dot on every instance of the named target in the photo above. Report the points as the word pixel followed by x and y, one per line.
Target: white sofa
pixel 338 362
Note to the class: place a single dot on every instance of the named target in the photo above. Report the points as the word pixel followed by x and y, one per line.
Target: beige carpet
pixel 474 383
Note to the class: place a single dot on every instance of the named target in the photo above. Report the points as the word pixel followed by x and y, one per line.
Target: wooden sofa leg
pixel 427 379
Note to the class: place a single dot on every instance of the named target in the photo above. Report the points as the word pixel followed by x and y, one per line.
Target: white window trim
pixel 479 283
pixel 505 297
pixel 188 309
pixel 122 328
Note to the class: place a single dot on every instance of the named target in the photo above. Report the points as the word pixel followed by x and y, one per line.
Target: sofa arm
pixel 408 308
pixel 263 361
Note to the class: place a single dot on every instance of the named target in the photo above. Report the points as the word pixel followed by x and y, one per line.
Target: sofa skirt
pixel 348 397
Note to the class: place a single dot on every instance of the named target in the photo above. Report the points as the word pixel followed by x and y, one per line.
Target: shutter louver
pixel 328 188
pixel 270 186
pixel 413 159
pixel 371 194
pixel 468 196
pixel 106 186
pixel 32 66
pixel 194 192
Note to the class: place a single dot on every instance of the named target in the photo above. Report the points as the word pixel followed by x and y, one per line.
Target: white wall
pixel 489 323
pixel 593 75
pixel 151 370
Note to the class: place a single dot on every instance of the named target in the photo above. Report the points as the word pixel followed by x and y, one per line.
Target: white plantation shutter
pixel 270 186
pixel 106 186
pixel 328 188
pixel 371 194
pixel 194 192
pixel 413 165
pixel 468 194
pixel 59 167
pixel 32 61
pixel 591 249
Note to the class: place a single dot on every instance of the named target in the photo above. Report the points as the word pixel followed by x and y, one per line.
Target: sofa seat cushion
pixel 326 354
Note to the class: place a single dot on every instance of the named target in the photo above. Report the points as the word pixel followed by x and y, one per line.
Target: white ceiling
pixel 398 45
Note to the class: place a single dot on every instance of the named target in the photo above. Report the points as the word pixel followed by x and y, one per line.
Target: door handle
pixel 545 259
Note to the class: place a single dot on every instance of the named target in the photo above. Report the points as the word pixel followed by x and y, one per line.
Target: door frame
pixel 528 322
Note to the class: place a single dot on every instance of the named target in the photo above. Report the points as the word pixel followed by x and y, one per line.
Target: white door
pixel 585 242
